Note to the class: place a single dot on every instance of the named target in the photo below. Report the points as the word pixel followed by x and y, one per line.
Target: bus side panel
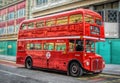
pixel 20 58
pixel 57 61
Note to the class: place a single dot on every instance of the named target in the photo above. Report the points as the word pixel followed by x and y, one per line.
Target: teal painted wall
pixel 115 52
pixel 103 49
pixel 109 50
pixel 8 48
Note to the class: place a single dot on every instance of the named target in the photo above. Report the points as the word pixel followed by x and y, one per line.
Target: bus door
pixel 75 49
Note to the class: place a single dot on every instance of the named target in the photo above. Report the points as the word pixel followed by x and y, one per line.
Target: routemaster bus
pixel 64 41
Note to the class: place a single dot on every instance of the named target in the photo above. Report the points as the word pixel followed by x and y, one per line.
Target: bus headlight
pixel 87 63
pixel 103 62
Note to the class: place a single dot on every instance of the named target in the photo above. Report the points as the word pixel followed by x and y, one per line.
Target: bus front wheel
pixel 75 69
pixel 28 63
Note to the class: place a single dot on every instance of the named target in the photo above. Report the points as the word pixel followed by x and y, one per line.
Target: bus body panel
pixel 48 46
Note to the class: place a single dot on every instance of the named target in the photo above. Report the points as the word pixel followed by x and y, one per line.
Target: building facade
pixel 12 13
pixel 109 10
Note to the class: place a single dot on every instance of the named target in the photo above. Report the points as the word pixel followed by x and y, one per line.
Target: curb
pixel 108 73
pixel 11 63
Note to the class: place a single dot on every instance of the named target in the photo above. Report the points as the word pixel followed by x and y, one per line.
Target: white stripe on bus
pixel 65 37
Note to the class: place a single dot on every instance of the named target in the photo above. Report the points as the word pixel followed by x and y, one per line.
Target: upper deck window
pixel 98 21
pixel 62 20
pixel 89 19
pixel 24 27
pixel 50 22
pixel 40 24
pixel 30 25
pixel 76 18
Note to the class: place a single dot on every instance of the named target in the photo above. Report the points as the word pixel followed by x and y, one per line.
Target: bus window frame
pixel 48 46
pixel 69 48
pixel 90 48
pixel 67 22
pixel 99 20
pixel 60 47
pixel 33 25
pixel 41 25
pixel 89 16
pixel 21 27
pixel 49 20
pixel 77 19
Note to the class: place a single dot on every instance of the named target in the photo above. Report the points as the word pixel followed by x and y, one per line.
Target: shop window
pixel 62 20
pixel 76 18
pixel 21 13
pixel 40 24
pixel 41 2
pixel 50 22
pixel 48 46
pixel 2 30
pixel 11 29
pixel 11 16
pixel 60 46
pixel 115 5
pixel 89 19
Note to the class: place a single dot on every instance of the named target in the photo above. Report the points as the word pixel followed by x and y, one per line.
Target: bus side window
pixel 62 20
pixel 48 46
pixel 60 46
pixel 38 46
pixel 40 24
pixel 30 25
pixel 89 19
pixel 76 18
pixel 24 27
pixel 71 45
pixel 30 46
pixel 50 22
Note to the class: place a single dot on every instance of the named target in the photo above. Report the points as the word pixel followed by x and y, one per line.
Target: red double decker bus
pixel 64 41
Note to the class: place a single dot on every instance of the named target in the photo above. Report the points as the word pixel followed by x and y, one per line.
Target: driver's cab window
pixel 79 45
pixel 90 46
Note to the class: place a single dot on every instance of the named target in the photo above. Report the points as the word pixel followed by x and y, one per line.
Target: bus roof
pixel 85 11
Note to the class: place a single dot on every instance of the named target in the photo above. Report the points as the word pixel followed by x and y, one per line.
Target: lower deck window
pixel 60 46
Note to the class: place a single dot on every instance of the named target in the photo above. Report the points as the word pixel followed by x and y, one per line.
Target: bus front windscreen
pixel 90 46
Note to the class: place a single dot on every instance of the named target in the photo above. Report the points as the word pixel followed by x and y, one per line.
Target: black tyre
pixel 75 69
pixel 28 63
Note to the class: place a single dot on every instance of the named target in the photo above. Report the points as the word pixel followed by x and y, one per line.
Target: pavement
pixel 111 69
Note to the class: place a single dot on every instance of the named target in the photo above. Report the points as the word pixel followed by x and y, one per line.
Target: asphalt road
pixel 14 74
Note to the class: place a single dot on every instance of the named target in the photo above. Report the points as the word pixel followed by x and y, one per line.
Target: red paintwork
pixel 11 9
pixel 59 60
pixel 21 5
pixel 2 24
